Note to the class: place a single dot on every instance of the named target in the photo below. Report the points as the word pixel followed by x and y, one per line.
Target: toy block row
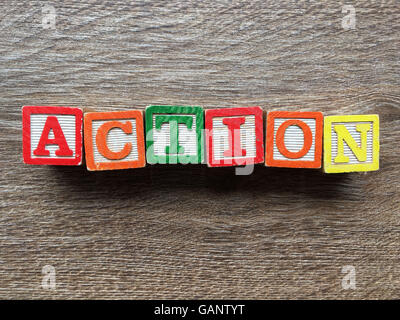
pixel 174 134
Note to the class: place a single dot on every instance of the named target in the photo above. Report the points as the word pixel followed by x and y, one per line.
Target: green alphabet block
pixel 174 134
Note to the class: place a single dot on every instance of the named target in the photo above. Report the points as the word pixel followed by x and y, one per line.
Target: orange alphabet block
pixel 294 139
pixel 114 140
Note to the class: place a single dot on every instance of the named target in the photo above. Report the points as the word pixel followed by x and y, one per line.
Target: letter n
pixel 351 143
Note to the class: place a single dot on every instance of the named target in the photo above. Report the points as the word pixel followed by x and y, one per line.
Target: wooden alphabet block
pixel 294 139
pixel 174 134
pixel 114 140
pixel 234 136
pixel 351 143
pixel 52 135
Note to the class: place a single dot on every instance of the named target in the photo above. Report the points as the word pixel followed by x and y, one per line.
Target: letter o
pixel 280 139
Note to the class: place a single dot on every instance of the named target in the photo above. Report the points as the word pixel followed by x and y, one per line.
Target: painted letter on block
pixel 114 140
pixel 52 135
pixel 174 134
pixel 294 139
pixel 351 143
pixel 234 136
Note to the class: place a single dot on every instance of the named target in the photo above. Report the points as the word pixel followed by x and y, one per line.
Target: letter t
pixel 174 121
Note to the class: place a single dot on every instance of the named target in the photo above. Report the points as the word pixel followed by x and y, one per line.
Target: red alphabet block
pixel 294 139
pixel 52 135
pixel 234 136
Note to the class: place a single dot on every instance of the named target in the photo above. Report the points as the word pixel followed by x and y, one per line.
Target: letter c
pixel 101 140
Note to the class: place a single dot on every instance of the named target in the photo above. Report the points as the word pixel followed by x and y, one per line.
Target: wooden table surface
pixel 190 231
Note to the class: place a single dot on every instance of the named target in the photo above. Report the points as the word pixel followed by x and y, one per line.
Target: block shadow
pixel 310 183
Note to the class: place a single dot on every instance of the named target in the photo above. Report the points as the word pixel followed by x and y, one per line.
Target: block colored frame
pixel 229 112
pixel 183 159
pixel 340 168
pixel 270 139
pixel 27 111
pixel 114 115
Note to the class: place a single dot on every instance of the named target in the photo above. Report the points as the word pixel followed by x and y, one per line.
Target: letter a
pixel 59 139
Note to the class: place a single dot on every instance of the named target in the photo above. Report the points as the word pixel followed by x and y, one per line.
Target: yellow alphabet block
pixel 351 143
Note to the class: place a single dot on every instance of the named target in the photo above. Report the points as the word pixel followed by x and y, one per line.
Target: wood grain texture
pixel 192 231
